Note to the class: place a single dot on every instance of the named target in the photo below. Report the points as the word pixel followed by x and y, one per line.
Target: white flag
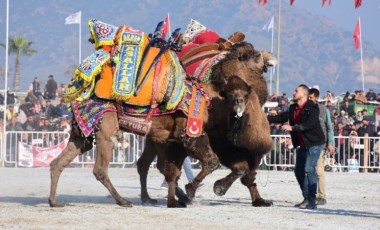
pixel 74 18
pixel 269 25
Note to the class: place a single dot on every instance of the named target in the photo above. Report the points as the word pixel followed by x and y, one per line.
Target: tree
pixel 19 45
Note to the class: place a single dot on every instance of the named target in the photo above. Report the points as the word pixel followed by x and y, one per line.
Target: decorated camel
pixel 135 82
pixel 237 128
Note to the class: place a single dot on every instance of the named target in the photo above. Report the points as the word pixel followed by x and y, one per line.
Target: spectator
pixel 11 98
pixel 360 98
pixel 62 110
pixel 51 88
pixel 10 112
pixel 61 89
pixel 325 121
pixel 14 125
pixel 284 105
pixel 50 111
pixel 370 95
pixel 340 143
pixel 330 107
pixel 377 110
pixel 36 86
pixel 30 124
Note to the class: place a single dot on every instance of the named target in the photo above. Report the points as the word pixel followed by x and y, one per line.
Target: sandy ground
pixel 353 203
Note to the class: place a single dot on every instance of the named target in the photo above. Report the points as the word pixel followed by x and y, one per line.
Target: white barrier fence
pixel 38 149
pixel 351 154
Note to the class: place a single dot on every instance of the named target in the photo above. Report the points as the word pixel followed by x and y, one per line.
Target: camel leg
pixel 248 180
pixel 172 171
pixel 143 165
pixel 221 186
pixel 78 144
pixel 105 141
pixel 199 148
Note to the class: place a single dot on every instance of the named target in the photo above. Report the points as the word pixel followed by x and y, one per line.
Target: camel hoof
pixel 182 197
pixel 190 191
pixel 148 202
pixel 125 203
pixel 262 203
pixel 177 204
pixel 56 204
pixel 219 188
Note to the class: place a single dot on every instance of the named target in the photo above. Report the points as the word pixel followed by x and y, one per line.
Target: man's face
pixel 298 94
pixel 313 98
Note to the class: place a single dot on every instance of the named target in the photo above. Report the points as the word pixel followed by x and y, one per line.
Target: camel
pixel 166 131
pixel 241 138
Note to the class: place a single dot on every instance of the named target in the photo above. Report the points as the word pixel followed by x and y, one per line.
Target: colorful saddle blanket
pixel 160 79
pixel 88 112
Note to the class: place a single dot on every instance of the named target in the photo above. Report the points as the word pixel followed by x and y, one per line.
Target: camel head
pixel 236 93
pixel 258 60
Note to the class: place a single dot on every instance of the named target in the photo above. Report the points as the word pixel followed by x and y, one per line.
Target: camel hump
pixel 234 38
pixel 197 49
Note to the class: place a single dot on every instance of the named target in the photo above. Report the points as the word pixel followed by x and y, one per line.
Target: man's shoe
pixel 302 204
pixel 311 204
pixel 321 201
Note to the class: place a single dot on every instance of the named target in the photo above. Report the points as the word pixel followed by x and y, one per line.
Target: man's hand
pixel 330 148
pixel 286 128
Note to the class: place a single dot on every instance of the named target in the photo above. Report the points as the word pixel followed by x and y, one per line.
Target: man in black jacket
pixel 307 136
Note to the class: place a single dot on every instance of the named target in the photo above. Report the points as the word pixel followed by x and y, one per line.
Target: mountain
pixel 313 49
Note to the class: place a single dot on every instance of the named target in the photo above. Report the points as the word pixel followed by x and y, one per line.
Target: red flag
pixel 357 35
pixel 324 1
pixel 291 2
pixel 263 2
pixel 358 3
pixel 165 27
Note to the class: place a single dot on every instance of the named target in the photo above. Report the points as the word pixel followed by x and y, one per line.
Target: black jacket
pixel 310 126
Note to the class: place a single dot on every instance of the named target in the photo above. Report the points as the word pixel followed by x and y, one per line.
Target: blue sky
pixel 344 14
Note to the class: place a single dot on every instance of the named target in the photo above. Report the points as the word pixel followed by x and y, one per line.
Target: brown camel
pixel 168 128
pixel 240 139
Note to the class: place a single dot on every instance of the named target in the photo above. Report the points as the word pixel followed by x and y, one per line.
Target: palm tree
pixel 19 45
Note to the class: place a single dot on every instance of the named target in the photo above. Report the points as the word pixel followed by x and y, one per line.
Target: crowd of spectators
pixel 38 111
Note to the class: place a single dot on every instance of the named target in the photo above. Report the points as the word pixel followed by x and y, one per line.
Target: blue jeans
pixel 187 167
pixel 305 170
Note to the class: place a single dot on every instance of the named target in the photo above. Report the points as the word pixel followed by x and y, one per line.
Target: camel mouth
pixel 272 61
pixel 239 110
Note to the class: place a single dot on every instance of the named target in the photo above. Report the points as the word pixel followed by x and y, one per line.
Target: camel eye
pixel 243 57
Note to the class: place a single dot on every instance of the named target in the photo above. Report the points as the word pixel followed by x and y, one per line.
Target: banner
pixel 35 156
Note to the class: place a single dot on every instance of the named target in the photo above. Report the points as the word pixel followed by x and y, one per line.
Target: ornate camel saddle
pixel 127 68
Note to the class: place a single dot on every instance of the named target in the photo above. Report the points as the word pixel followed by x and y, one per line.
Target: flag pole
pixel 272 70
pixel 80 37
pixel 4 139
pixel 361 52
pixel 278 48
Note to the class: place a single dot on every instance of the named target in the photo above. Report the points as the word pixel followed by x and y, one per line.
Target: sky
pixel 341 12
pixel 344 15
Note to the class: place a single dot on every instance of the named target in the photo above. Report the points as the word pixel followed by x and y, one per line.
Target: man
pixel 307 136
pixel 328 131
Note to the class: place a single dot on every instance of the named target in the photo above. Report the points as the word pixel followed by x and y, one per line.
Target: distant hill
pixel 313 50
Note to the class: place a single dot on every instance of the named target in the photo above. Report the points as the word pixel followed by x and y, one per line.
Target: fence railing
pixel 37 149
